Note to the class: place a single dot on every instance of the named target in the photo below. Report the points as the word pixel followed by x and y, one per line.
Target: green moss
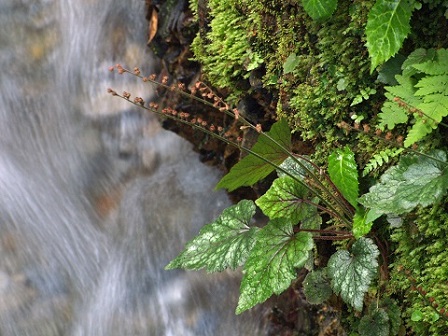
pixel 331 83
pixel 331 79
pixel 224 50
pixel 421 249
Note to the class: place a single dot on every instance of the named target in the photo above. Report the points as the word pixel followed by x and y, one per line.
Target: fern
pixel 422 94
pixel 381 158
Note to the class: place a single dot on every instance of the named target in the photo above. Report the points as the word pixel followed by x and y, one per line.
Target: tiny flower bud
pixel 112 92
pixel 120 69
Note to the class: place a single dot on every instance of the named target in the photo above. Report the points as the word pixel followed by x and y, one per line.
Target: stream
pixel 96 198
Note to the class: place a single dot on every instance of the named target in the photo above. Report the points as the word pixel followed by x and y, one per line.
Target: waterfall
pixel 95 197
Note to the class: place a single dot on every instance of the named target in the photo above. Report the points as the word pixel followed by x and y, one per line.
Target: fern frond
pixel 421 96
pixel 380 159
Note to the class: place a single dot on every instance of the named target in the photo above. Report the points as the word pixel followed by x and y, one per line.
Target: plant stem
pixel 338 199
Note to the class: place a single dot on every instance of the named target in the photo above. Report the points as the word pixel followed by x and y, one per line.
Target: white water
pixel 95 198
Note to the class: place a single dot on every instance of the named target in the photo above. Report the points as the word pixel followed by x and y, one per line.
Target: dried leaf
pixel 153 22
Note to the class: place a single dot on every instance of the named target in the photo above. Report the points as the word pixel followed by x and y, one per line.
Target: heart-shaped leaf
pixel 273 262
pixel 285 198
pixel 352 272
pixel 225 243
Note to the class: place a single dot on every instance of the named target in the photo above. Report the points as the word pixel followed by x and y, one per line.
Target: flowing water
pixel 96 198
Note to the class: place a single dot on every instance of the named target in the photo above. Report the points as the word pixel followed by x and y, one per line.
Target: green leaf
pixel 417 56
pixel 344 174
pixel 390 69
pixel 376 323
pixel 381 158
pixel 361 226
pixel 225 243
pixel 316 286
pixel 285 198
pixel 294 168
pixel 319 9
pixel 416 315
pixel 387 27
pixel 436 65
pixel 394 313
pixel 251 169
pixel 273 262
pixel 405 90
pixel 352 273
pixel 418 131
pixel 416 180
pixel 391 115
pixel 290 63
pixel 312 220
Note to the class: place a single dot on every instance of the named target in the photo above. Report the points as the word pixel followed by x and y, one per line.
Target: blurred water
pixel 95 198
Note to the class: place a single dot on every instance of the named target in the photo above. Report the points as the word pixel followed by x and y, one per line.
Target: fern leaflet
pixel 421 96
pixel 380 159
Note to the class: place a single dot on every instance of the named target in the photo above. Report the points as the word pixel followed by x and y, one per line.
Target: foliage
pixel 225 243
pixel 320 73
pixel 320 9
pixel 416 180
pixel 421 93
pixel 393 312
pixel 382 318
pixel 269 152
pixel 344 174
pixel 227 56
pixel 290 64
pixel 352 272
pixel 380 159
pixel 284 244
pixel 316 286
pixel 330 74
pixel 285 198
pixel 387 27
pixel 376 323
pixel 273 261
pixel 421 249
